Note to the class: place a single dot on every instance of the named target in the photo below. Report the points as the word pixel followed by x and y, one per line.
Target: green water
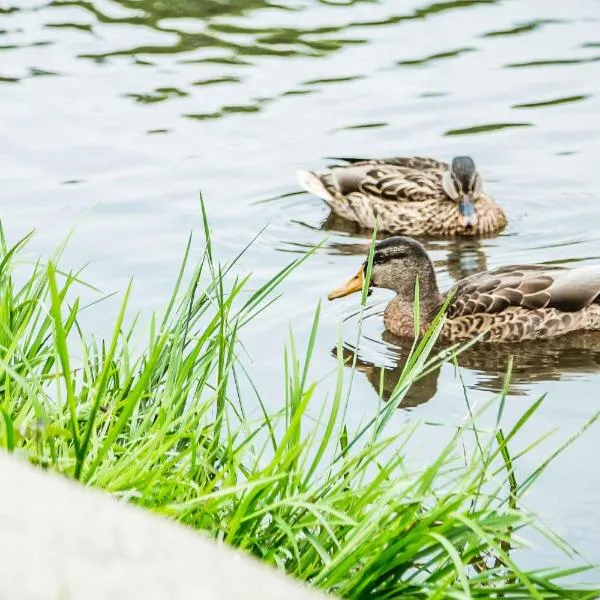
pixel 115 114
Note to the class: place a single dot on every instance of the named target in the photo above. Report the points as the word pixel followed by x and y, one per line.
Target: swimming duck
pixel 507 304
pixel 414 195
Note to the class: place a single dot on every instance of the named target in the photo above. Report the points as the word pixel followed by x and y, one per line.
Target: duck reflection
pixel 535 361
pixel 464 256
pixel 385 379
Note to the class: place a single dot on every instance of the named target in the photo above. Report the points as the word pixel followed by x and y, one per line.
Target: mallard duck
pixel 507 304
pixel 414 196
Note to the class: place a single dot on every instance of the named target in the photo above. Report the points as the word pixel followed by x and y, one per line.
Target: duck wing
pixel 526 286
pixel 401 181
pixel 420 163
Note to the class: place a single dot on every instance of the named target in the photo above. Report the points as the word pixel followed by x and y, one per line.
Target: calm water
pixel 115 113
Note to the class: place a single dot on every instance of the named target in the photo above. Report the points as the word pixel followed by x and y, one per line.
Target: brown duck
pixel 507 304
pixel 408 195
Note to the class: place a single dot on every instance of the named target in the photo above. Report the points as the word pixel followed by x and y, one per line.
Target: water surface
pixel 115 114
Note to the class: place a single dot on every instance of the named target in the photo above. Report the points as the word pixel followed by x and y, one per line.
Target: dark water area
pixel 116 114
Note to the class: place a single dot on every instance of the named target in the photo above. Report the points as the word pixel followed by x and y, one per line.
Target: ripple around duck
pixel 486 128
pixel 557 62
pixel 552 102
pixel 524 28
pixel 363 126
pixel 434 57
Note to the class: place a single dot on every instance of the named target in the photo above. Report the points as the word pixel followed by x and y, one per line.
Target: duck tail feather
pixel 312 183
pixel 347 159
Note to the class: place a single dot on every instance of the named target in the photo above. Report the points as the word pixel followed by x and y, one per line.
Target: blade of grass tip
pixel 206 227
pixel 572 438
pixel 243 251
pixel 523 419
pixel 311 345
pixel 63 244
pixel 61 348
pixel 74 277
pixel 103 298
pixel 526 450
pixel 363 302
pixel 15 249
pixel 192 293
pixel 258 297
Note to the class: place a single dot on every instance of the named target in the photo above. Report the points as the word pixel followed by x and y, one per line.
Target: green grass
pixel 155 414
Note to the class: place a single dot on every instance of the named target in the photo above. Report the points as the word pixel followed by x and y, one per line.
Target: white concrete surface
pixel 62 541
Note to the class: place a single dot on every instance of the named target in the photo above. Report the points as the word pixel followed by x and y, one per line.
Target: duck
pixel 507 304
pixel 414 196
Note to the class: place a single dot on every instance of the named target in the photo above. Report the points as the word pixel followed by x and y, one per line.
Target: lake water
pixel 116 113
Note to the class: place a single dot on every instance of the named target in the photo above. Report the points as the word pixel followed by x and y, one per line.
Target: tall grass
pixel 166 426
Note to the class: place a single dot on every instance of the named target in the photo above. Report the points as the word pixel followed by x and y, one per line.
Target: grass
pixel 154 414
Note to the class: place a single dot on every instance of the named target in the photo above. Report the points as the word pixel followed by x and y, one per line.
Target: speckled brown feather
pixel 403 195
pixel 511 303
pixel 520 302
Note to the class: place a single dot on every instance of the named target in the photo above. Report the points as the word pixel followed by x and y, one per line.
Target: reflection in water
pixel 385 379
pixel 534 361
pixel 464 256
pixel 222 37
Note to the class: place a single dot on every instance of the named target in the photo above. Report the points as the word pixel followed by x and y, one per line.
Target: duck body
pixel 408 195
pixel 507 304
pixel 524 302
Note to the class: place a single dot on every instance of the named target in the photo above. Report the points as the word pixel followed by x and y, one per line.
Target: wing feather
pixel 526 286
pixel 390 182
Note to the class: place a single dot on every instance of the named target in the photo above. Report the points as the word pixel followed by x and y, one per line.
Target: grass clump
pixel 165 426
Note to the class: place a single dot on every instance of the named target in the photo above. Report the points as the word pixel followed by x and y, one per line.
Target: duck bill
pixel 466 207
pixel 355 284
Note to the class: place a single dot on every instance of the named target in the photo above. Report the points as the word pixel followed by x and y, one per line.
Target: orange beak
pixel 352 285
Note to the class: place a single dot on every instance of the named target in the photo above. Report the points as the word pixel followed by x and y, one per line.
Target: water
pixel 116 113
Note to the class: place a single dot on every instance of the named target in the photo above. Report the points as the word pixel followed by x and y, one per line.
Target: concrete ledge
pixel 62 541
